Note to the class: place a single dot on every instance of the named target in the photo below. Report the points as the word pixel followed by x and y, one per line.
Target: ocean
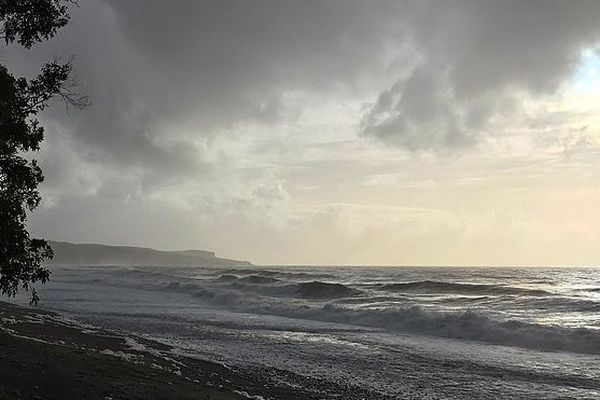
pixel 394 332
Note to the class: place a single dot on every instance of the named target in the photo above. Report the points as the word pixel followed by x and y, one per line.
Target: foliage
pixel 21 256
pixel 31 21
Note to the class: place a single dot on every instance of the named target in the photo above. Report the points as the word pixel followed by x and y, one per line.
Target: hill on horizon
pixel 66 253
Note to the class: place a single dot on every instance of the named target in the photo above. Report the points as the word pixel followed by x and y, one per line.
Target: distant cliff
pixel 98 254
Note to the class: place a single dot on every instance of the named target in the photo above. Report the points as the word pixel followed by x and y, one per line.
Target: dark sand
pixel 42 357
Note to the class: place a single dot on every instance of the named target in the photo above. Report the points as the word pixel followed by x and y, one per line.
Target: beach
pixel 44 357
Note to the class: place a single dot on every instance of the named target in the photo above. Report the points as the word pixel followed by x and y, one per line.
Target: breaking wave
pixel 482 312
pixel 266 286
pixel 468 325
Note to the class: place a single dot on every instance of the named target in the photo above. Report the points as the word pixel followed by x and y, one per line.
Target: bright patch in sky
pixel 587 75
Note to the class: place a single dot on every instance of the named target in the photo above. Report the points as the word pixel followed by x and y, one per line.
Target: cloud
pixel 476 59
pixel 244 125
pixel 166 78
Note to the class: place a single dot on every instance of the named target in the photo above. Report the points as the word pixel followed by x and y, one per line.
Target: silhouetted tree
pixel 26 22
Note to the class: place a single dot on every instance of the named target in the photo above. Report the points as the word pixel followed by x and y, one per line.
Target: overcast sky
pixel 329 132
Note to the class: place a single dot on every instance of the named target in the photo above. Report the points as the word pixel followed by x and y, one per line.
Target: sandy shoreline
pixel 45 356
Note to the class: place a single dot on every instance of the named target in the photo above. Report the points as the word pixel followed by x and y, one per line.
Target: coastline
pixel 44 355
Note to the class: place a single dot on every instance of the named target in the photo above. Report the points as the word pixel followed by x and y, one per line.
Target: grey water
pixel 397 332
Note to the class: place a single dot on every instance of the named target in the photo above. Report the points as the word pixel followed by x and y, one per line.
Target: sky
pixel 455 132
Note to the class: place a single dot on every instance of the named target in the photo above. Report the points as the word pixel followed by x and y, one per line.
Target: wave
pixel 592 289
pixel 249 271
pixel 468 325
pixel 263 286
pixel 305 275
pixel 320 290
pixel 562 304
pixel 259 279
pixel 428 286
pixel 300 275
pixel 320 301
pixel 226 278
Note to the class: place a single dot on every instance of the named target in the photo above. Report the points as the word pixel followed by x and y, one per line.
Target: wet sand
pixel 43 357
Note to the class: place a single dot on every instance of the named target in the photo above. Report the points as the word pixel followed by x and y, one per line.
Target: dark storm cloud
pixel 120 128
pixel 221 63
pixel 475 56
pixel 165 76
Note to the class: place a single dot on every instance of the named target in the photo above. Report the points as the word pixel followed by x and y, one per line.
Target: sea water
pixel 396 332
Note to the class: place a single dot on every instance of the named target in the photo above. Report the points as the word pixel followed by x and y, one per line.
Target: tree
pixel 26 22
